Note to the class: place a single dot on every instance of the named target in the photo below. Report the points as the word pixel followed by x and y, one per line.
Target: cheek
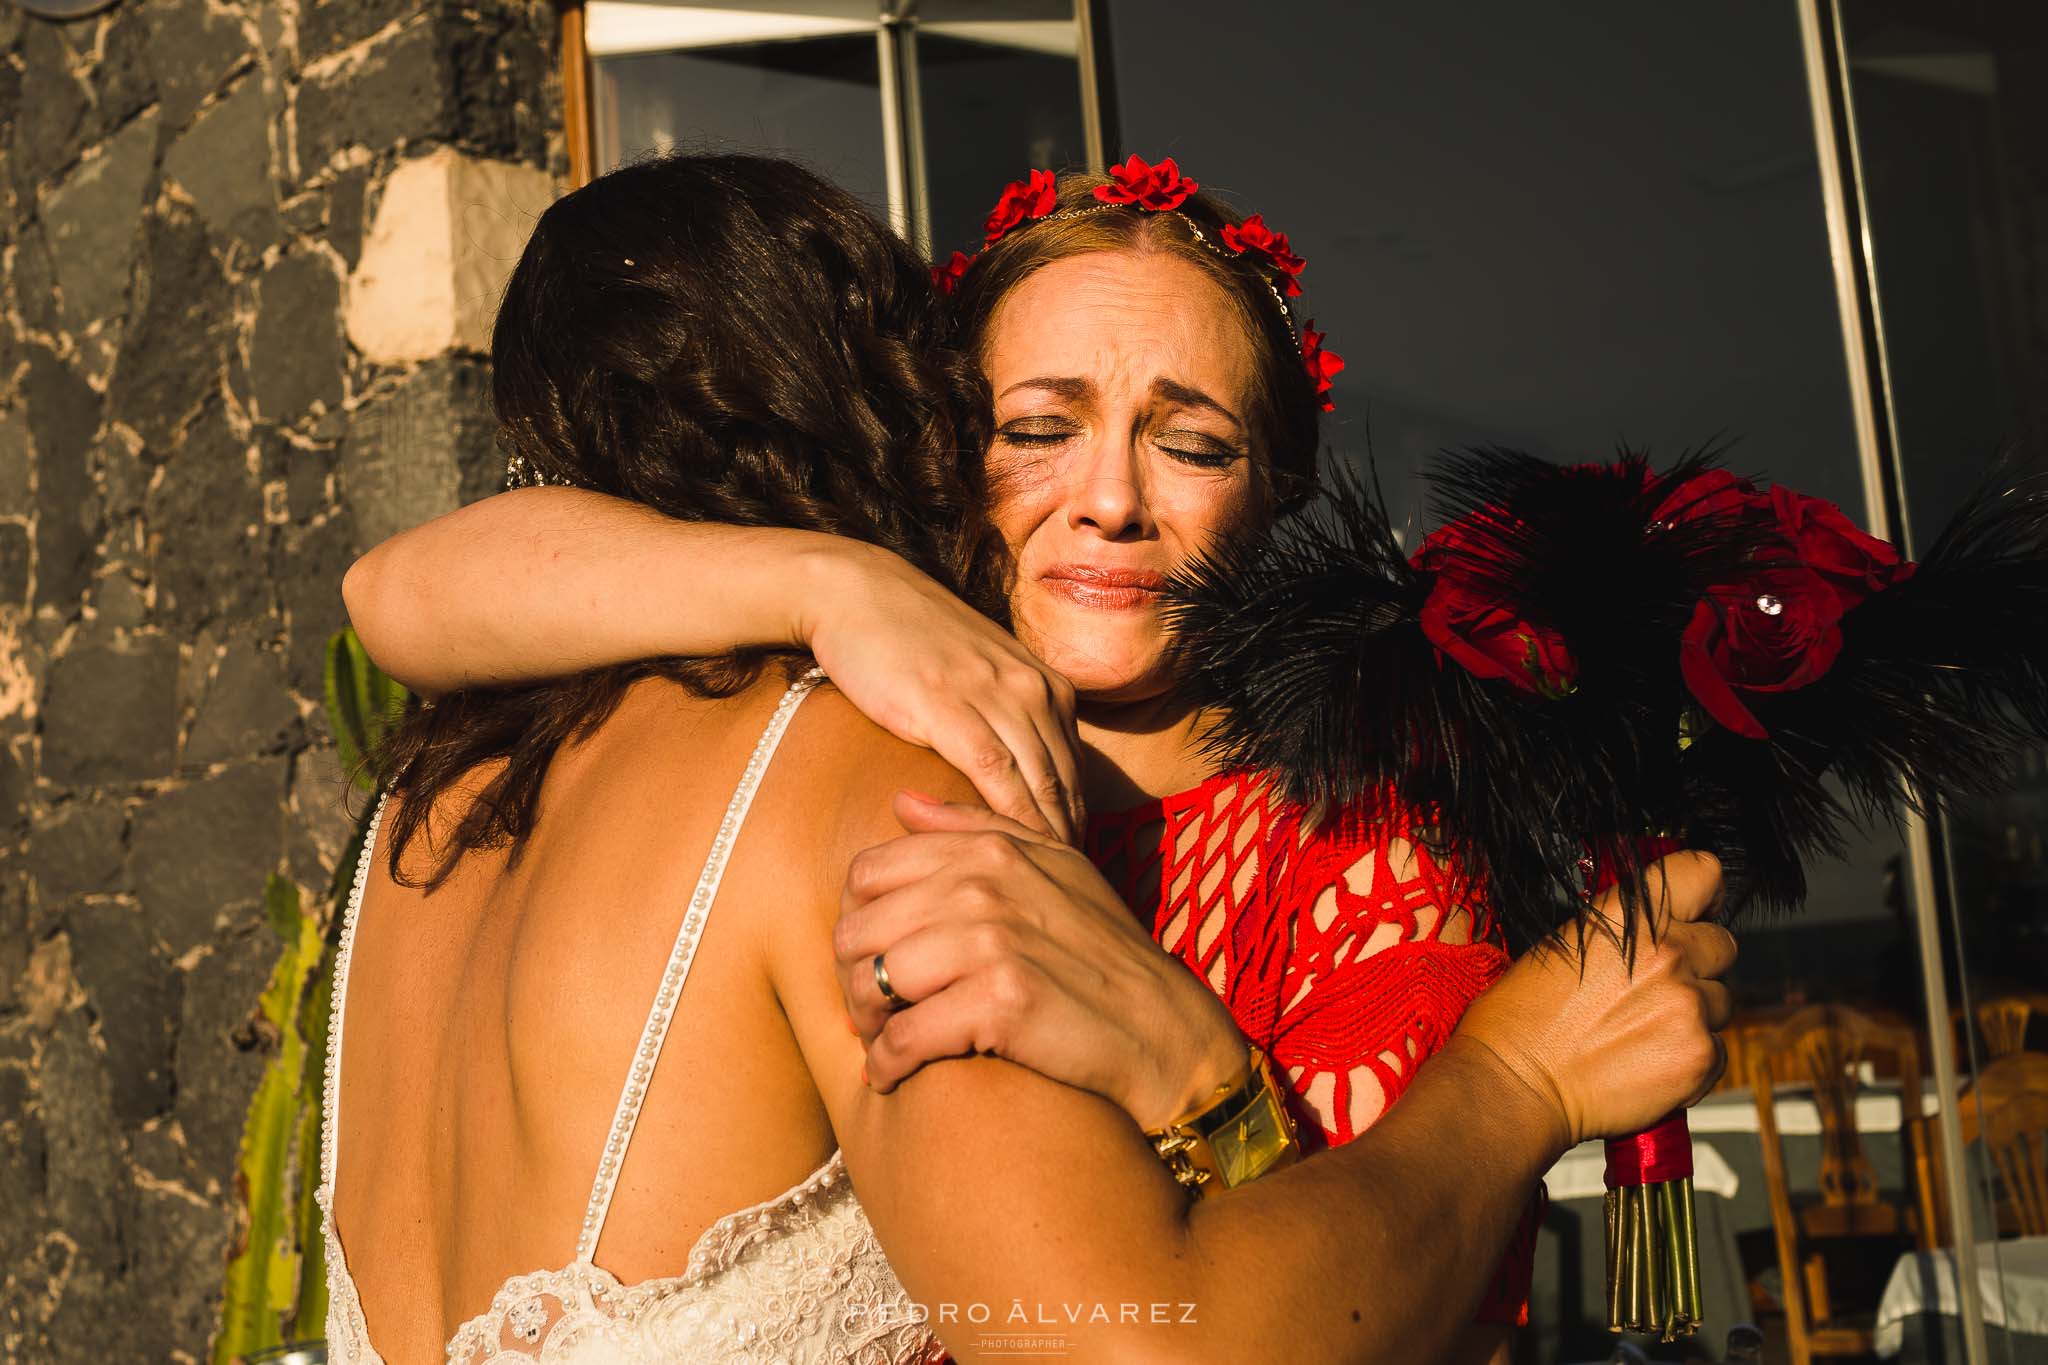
pixel 1198 514
pixel 1022 494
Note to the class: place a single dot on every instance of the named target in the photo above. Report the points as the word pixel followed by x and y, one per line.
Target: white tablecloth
pixel 1734 1111
pixel 1581 1172
pixel 2012 1278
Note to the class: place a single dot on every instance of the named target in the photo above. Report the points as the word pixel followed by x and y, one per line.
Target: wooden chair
pixel 2007 1106
pixel 2002 1022
pixel 1826 1047
pixel 1735 1041
pixel 1742 1032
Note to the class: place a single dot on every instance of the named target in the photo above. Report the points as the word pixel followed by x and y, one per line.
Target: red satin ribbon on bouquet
pixel 1656 1154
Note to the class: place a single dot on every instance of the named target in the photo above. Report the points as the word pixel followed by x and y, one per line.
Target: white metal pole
pixel 889 72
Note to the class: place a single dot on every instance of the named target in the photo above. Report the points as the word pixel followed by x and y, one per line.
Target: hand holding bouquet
pixel 1591 664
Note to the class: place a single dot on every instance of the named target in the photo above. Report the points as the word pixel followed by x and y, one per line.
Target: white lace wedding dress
pixel 799 1278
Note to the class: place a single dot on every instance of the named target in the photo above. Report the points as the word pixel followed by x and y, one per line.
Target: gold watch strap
pixel 1239 1134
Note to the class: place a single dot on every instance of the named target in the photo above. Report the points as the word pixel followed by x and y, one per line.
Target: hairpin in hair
pixel 521 472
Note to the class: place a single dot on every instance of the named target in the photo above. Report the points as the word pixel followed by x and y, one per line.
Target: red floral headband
pixel 1159 189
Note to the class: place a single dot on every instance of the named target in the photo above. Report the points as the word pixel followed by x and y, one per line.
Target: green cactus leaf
pixel 276 1284
pixel 364 704
pixel 344 722
pixel 281 907
pixel 309 1319
pixel 262 1282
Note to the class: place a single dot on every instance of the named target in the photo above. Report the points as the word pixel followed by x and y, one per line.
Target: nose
pixel 1109 497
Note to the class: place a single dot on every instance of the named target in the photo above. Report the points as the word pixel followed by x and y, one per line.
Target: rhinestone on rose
pixel 1770 604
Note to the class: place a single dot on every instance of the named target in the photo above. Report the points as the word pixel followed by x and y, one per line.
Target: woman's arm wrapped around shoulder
pixel 542 583
pixel 996 1191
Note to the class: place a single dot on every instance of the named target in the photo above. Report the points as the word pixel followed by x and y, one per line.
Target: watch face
pixel 62 9
pixel 1252 1142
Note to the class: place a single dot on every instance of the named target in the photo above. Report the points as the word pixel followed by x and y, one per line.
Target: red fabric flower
pixel 1856 564
pixel 1323 366
pixel 1158 188
pixel 1033 197
pixel 1777 631
pixel 1465 621
pixel 1253 235
pixel 946 278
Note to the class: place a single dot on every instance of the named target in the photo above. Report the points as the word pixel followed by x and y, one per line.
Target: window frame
pixel 903 140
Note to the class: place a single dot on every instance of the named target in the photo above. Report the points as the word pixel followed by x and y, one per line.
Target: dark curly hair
pixel 721 338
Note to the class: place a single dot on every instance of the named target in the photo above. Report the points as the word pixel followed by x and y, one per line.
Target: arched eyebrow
pixel 1193 398
pixel 1062 388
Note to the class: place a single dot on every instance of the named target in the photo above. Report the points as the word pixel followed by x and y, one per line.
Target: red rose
pixel 1854 563
pixel 1322 365
pixel 1158 188
pixel 1712 494
pixel 1779 630
pixel 1490 643
pixel 1030 198
pixel 1480 634
pixel 1253 235
pixel 946 278
pixel 1848 559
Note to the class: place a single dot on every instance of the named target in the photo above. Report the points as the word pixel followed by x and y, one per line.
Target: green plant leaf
pixel 363 702
pixel 338 690
pixel 281 907
pixel 315 1012
pixel 262 1282
pixel 276 1283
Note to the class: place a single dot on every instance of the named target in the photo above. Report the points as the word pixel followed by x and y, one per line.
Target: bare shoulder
pixel 850 768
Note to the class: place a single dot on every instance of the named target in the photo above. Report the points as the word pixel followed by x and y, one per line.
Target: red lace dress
pixel 1347 954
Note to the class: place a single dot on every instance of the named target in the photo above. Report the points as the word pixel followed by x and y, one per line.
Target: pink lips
pixel 1087 585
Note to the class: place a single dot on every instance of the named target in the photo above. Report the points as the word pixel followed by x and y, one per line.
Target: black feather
pixel 1309 645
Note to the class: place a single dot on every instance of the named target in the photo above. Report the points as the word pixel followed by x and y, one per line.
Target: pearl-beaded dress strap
pixel 679 959
pixel 330 1099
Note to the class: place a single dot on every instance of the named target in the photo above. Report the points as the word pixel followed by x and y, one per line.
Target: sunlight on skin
pixel 1121 453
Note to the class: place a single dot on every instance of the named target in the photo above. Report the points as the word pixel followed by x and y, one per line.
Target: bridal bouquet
pixel 1591 665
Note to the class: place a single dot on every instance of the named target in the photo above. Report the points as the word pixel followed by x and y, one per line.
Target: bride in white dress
pixel 593 1095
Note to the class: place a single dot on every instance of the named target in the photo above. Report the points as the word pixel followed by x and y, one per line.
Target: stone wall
pixel 197 432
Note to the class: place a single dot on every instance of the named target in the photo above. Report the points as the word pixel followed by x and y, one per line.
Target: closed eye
pixel 1200 449
pixel 1036 431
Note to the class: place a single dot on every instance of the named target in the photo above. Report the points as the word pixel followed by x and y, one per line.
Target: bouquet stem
pixel 1653 1256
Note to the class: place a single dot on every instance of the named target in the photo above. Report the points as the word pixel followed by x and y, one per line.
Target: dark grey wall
pixel 1561 226
pixel 183 190
pixel 1565 226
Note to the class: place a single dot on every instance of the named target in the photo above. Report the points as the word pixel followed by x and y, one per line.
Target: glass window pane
pixel 815 99
pixel 1554 227
pixel 1559 226
pixel 1948 139
pixel 1562 228
pixel 992 112
pixel 1951 146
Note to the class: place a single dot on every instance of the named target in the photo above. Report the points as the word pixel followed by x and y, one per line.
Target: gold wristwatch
pixel 1242 1131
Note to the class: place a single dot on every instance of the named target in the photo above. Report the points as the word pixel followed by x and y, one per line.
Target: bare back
pixel 490 1025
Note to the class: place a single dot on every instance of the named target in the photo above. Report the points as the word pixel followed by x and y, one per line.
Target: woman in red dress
pixel 1150 394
